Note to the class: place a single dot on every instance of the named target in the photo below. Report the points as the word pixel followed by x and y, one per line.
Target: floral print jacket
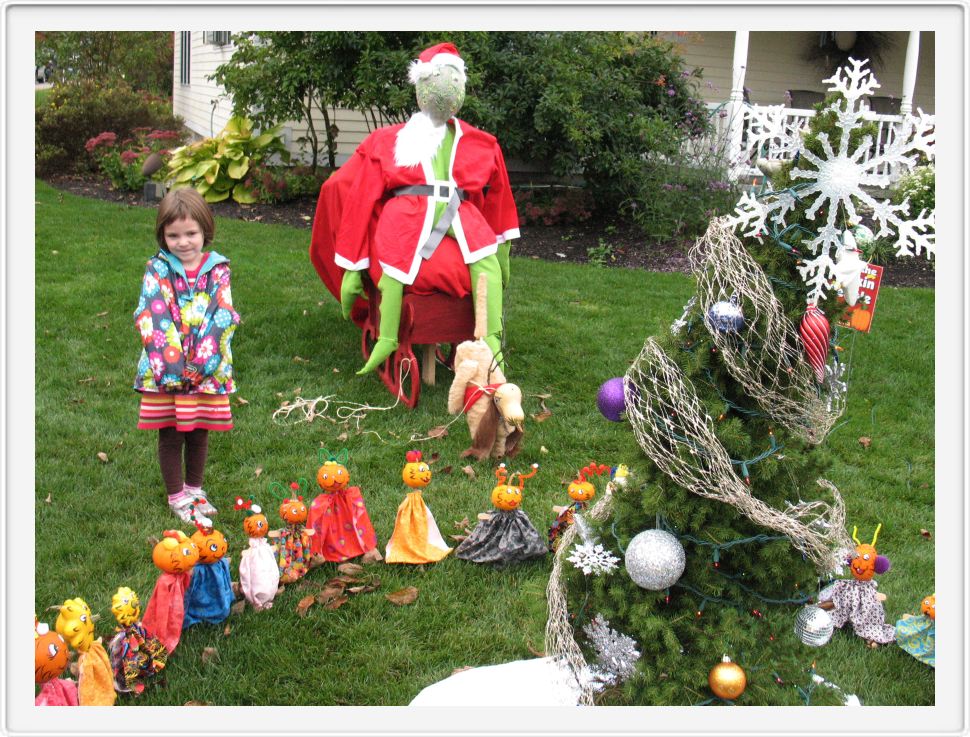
pixel 185 332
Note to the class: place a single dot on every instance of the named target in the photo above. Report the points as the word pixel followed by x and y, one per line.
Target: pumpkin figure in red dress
pixel 341 525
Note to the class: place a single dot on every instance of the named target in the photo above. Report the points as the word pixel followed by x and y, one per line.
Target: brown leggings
pixel 170 445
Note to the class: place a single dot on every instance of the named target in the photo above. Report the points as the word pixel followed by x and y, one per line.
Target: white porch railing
pixel 773 147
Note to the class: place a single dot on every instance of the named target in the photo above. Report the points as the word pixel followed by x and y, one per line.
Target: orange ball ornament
pixel 212 544
pixel 416 473
pixel 175 552
pixel 50 654
pixel 928 607
pixel 727 680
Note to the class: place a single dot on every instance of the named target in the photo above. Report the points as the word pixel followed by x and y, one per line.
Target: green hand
pixel 503 261
pixel 351 287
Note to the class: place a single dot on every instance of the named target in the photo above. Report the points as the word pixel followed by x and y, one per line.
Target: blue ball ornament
pixel 610 400
pixel 726 316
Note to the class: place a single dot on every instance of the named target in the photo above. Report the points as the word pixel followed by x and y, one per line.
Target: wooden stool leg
pixel 427 364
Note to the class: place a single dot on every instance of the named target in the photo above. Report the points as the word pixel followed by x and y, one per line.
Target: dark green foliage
pixel 75 113
pixel 740 601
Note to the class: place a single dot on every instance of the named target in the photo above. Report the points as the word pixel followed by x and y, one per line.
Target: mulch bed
pixel 630 249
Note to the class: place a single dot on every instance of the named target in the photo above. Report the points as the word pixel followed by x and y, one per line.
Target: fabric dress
pixel 165 612
pixel 135 657
pixel 341 525
pixel 185 320
pixel 416 538
pixel 259 573
pixel 293 551
pixel 209 596
pixel 508 536
pixel 57 692
pixel 95 679
pixel 563 520
pixel 856 602
pixel 917 636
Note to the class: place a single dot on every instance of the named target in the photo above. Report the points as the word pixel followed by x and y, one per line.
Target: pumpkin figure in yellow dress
pixel 416 538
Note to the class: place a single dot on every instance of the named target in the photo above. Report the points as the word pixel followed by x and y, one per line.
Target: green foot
pixel 383 348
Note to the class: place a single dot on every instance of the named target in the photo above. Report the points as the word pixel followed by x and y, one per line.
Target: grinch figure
pixel 425 205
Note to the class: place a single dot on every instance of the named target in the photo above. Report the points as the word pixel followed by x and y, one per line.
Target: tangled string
pixel 765 357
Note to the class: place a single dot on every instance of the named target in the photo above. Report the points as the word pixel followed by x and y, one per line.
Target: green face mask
pixel 440 95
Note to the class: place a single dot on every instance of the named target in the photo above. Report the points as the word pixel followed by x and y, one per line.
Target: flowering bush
pixel 553 205
pixel 271 184
pixel 122 163
pixel 920 187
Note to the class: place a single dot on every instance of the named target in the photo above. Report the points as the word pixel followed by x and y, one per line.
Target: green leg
pixel 493 285
pixel 392 292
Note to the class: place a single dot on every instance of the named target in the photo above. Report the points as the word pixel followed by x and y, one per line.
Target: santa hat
pixel 432 58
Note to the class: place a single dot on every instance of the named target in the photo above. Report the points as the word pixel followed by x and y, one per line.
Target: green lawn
pixel 570 327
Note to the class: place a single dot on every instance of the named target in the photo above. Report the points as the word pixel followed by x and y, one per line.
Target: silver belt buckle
pixel 442 191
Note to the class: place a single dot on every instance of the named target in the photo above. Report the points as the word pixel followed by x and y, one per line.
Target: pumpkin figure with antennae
pixel 416 538
pixel 293 546
pixel 259 573
pixel 341 525
pixel 507 535
pixel 50 660
pixel 95 684
pixel 581 491
pixel 136 656
pixel 209 597
pixel 855 600
pixel 175 555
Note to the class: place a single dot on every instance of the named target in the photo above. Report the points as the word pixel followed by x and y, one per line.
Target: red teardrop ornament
pixel 815 337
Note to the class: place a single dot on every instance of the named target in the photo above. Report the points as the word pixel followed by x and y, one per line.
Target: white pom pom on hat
pixel 434 57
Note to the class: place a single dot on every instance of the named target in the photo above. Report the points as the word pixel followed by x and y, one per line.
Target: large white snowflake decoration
pixel 771 132
pixel 838 181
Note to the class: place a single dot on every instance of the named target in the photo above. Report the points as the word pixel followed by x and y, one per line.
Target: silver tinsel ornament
pixel 726 316
pixel 814 626
pixel 616 653
pixel 655 560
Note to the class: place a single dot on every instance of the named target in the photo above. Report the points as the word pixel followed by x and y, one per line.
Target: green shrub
pixel 75 113
pixel 122 162
pixel 271 184
pixel 218 167
pixel 919 186
pixel 553 205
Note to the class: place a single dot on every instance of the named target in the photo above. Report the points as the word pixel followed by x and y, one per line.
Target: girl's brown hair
pixel 184 203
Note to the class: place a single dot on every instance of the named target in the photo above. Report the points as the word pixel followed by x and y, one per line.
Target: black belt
pixel 455 196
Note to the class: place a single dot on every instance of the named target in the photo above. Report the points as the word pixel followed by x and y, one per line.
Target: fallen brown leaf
pixel 210 656
pixel 468 471
pixel 48 499
pixel 300 359
pixel 336 603
pixel 438 432
pixel 434 457
pixel 238 607
pixel 316 560
pixel 462 524
pixel 86 381
pixel 197 703
pixel 328 594
pixel 335 369
pixel 543 449
pixel 534 651
pixel 240 400
pixel 865 442
pixel 152 541
pixel 304 605
pixel 458 538
pixel 374 584
pixel 351 569
pixel 541 416
pixel 403 597
pixel 297 392
pixel 461 668
pixel 342 437
pixel 446 470
pixel 103 457
pixel 227 630
pixel 372 556
pixel 258 471
pixel 924 533
pixel 484 516
pixel 102 314
pixel 280 590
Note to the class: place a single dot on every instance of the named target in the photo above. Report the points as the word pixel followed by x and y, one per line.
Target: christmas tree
pixel 732 407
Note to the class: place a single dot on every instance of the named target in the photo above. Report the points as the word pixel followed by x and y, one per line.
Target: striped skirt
pixel 185 412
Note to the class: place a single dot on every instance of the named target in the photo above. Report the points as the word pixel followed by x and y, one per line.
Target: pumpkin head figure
pixel 175 552
pixel 255 523
pixel 333 474
pixel 506 495
pixel 416 473
pixel 125 606
pixel 75 625
pixel 582 490
pixel 293 510
pixel 928 607
pixel 212 544
pixel 865 563
pixel 50 654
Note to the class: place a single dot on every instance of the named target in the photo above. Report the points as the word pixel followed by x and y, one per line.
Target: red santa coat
pixel 359 219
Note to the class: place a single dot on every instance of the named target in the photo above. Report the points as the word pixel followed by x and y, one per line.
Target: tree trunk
pixel 331 141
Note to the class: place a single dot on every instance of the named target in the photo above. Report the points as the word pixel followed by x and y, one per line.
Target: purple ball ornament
pixel 610 399
pixel 726 316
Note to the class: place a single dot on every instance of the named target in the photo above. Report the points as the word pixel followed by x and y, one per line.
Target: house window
pixel 216 38
pixel 185 52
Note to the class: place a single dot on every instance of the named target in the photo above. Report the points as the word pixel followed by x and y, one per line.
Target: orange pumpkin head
pixel 416 473
pixel 255 524
pixel 928 607
pixel 175 552
pixel 507 495
pixel 333 476
pixel 293 511
pixel 75 625
pixel 866 562
pixel 50 654
pixel 212 544
pixel 582 490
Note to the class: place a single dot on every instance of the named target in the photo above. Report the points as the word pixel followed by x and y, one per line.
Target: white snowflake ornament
pixel 837 179
pixel 593 558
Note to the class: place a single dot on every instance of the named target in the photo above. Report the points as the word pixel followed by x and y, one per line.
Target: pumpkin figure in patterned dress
pixel 341 525
pixel 916 634
pixel 580 491
pixel 293 541
pixel 136 656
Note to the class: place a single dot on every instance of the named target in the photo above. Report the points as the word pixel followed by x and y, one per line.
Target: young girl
pixel 186 322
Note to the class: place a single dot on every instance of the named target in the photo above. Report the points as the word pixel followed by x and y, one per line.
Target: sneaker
pixel 202 504
pixel 181 508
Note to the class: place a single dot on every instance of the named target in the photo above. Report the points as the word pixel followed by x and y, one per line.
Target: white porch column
pixel 909 73
pixel 736 101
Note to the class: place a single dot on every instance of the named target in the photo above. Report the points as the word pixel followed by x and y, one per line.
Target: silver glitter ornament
pixel 655 560
pixel 814 626
pixel 726 316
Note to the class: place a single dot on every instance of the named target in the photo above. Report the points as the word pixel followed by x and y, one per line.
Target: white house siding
pixel 776 63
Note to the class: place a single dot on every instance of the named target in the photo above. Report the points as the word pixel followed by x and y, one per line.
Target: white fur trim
pixel 508 235
pixel 349 265
pixel 418 140
pixel 418 69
